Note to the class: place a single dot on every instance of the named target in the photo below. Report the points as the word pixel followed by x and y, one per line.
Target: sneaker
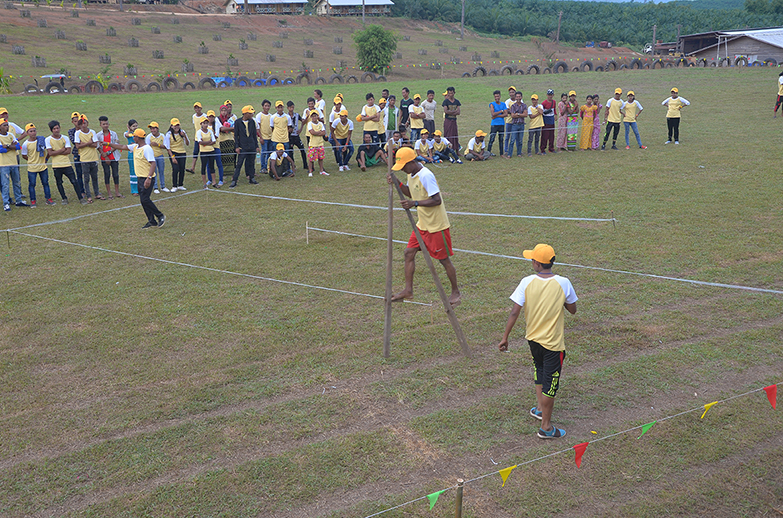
pixel 65 201
pixel 347 168
pixel 614 147
pixel 668 142
pixel 554 433
pixel 217 185
pixel 253 181
pixel 161 221
pixel 156 191
pixel 627 147
pixel 677 142
pixel 32 204
pixel 220 183
pixel 21 204
pixel 50 202
pixel 535 412
pixel 642 147
pixel 209 182
pixel 340 169
pixel 166 189
pixel 492 154
pixel 324 173
pixel 310 175
pixel 7 207
pixel 149 225
pixel 181 188
pixel 232 185
pixel 603 147
pixel 459 161
pixel 542 153
pixel 84 201
pixel 451 160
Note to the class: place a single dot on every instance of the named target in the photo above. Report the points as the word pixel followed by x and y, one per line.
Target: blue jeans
pixel 160 169
pixel 31 177
pixel 9 175
pixel 219 161
pixel 514 135
pixel 415 134
pixel 632 125
pixel 266 149
pixel 342 157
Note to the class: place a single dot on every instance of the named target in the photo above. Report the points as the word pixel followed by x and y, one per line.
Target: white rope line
pixel 567 450
pixel 400 208
pixel 66 220
pixel 209 269
pixel 597 268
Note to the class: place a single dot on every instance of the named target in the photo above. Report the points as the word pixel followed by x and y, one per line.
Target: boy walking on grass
pixel 34 151
pixel 543 295
pixel 59 149
pixel 144 164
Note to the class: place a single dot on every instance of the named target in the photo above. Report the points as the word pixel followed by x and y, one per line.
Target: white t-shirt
pixel 427 179
pixel 336 121
pixel 17 129
pixel 321 105
pixel 429 109
pixel 149 154
pixel 472 144
pixel 417 146
pixel 274 155
pixel 519 294
pixel 90 138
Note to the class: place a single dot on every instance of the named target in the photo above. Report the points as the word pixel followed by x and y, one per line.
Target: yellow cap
pixel 280 146
pixel 402 157
pixel 227 103
pixel 438 133
pixel 417 96
pixel 424 132
pixel 139 133
pixel 74 114
pixel 338 100
pixel 279 103
pixel 630 92
pixel 534 96
pixel 572 92
pixel 343 112
pixel 29 127
pixel 542 253
pixel 174 121
pixel 445 94
pixel 211 113
pixel 340 95
pixel 5 110
pixel 248 109
pixel 673 90
pixel 383 100
pixel 618 90
pixel 480 133
pixel 203 119
pixel 359 118
pixel 153 124
pixel 512 88
pixel 83 117
pixel 197 104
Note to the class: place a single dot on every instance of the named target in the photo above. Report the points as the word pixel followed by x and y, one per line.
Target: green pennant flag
pixel 646 427
pixel 433 497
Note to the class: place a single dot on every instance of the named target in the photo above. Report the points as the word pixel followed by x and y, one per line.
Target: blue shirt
pixel 498 107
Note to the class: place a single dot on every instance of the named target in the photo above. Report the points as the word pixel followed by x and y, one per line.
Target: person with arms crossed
pixel 246 142
pixel 34 151
pixel 497 113
pixel 59 149
pixel 543 296
pixel 87 144
pixel 429 106
pixel 535 114
pixel 548 131
pixel 675 104
pixel 371 117
pixel 342 130
pixel 315 152
pixel 295 139
pixel 517 112
pixel 405 104
pixel 416 117
pixel 76 121
pixel 451 110
pixel 423 149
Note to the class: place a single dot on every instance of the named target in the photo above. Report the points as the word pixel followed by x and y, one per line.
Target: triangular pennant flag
pixel 646 427
pixel 707 407
pixel 772 394
pixel 433 497
pixel 505 472
pixel 580 450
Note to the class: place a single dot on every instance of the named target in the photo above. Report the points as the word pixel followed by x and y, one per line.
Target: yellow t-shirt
pixel 780 86
pixel 631 111
pixel 205 135
pixel 226 135
pixel 177 144
pixel 35 162
pixel 416 123
pixel 341 130
pixel 431 219
pixel 508 118
pixel 543 299
pixel 315 140
pixel 263 125
pixel 675 105
pixel 534 122
pixel 439 146
pixel 280 131
pixel 277 157
pixel 7 141
pixel 196 119
pixel 87 154
pixel 158 151
pixel 369 111
pixel 615 106
pixel 142 156
pixel 56 145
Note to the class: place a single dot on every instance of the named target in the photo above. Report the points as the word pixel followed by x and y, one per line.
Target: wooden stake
pixel 458 502
pixel 449 310
pixel 389 256
pixel 307 233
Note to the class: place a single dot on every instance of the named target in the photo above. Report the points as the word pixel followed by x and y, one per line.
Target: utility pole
pixel 362 12
pixel 655 28
pixel 559 18
pixel 462 23
pixel 679 47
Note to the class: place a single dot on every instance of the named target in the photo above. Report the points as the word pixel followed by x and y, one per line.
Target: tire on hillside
pixel 680 62
pixel 599 68
pixel 223 84
pixel 53 85
pixel 701 63
pixel 320 80
pixel 636 64
pixel 494 72
pixel 243 82
pixel 561 67
pixel 130 83
pixel 289 81
pixel 170 83
pixel 259 82
pixel 657 64
pixel 367 77
pixel 273 81
pixel 587 66
pixel 206 82
pixel 114 88
pixel 531 68
pixel 547 70
pixel 304 76
pixel 576 69
pixel 611 66
pixel 74 89
pixel 507 68
pixel 646 66
pixel 32 89
pixel 479 69
pixel 351 79
pixel 337 78
pixel 668 64
pixel 770 62
pixel 520 72
pixel 380 78
pixel 154 87
pixel 466 74
pixel 741 61
pixel 724 62
pixel 623 67
pixel 189 86
pixel 94 87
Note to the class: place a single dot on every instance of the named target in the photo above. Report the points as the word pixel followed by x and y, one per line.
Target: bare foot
pixel 455 299
pixel 403 295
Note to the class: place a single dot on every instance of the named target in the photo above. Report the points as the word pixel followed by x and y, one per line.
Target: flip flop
pixel 119 196
pixel 400 299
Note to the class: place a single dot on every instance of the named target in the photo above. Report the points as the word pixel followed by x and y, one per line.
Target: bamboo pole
pixel 389 256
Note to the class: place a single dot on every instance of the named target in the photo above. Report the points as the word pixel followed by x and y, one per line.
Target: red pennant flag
pixel 580 450
pixel 772 394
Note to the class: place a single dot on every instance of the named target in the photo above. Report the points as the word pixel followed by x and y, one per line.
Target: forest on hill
pixel 624 24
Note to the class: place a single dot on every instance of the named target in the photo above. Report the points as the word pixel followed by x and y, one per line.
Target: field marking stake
pixel 449 310
pixel 307 234
pixel 611 213
pixel 387 310
pixel 8 237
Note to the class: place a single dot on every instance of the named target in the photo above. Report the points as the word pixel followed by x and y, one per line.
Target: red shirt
pixel 549 111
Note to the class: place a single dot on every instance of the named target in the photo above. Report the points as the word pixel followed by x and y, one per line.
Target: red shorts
pixel 438 243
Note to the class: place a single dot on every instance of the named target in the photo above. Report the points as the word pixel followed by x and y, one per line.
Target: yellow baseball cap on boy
pixel 480 133
pixel 203 119
pixel 139 133
pixel 512 88
pixel 280 147
pixel 630 92
pixel 417 96
pixel 402 157
pixel 382 101
pixel 424 132
pixel 618 90
pixel 572 92
pixel 438 133
pixel 673 90
pixel 279 103
pixel 74 114
pixel 82 117
pixel 5 110
pixel 174 121
pixel 29 127
pixel 542 253
pixel 153 124
pixel 197 104
pixel 534 96
pixel 338 100
pixel 227 103
pixel 248 109
pixel 211 113
pixel 343 112
pixel 445 94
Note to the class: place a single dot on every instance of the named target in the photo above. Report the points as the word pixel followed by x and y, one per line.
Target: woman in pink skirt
pixel 597 123
pixel 562 115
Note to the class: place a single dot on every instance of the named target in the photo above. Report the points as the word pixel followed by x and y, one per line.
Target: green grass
pixel 138 388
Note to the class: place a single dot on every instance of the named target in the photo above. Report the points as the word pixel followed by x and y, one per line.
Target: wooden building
pixel 353 7
pixel 753 44
pixel 266 6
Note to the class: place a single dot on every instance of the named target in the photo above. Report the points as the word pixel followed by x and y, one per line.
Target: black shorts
pixel 546 367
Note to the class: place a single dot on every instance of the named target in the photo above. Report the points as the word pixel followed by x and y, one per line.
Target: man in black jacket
pixel 246 138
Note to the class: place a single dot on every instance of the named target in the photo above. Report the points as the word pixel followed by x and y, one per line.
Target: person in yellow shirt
pixel 423 148
pixel 34 151
pixel 543 296
pixel 87 144
pixel 416 117
pixel 613 117
pixel 281 125
pixel 58 147
pixel 176 141
pixel 477 148
pixel 198 113
pixel 675 104
pixel 317 133
pixel 371 117
pixel 535 117
pixel 280 164
pixel 9 148
pixel 631 111
pixel 342 130
pixel 780 95
pixel 206 141
pixel 425 196
pixel 157 141
pixel 264 133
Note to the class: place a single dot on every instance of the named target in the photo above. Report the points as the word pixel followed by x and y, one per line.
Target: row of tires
pixel 561 67
pixel 172 83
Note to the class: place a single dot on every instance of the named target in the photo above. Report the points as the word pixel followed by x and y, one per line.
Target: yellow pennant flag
pixel 505 472
pixel 707 407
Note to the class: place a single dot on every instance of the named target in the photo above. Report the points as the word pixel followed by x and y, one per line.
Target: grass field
pixel 133 387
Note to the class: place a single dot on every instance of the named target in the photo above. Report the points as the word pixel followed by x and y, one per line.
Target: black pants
pixel 178 169
pixel 111 169
pixel 533 137
pixel 295 141
pixel 208 164
pixel 59 172
pixel 249 159
pixel 149 207
pixel 674 128
pixel 609 126
pixel 493 131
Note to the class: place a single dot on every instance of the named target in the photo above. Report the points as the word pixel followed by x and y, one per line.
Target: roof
pixel 769 36
pixel 355 3
pixel 267 2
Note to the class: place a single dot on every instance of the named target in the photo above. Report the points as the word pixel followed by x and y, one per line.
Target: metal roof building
pixel 266 6
pixel 353 7
pixel 754 44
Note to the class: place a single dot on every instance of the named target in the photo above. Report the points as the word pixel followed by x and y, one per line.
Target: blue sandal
pixel 535 412
pixel 554 433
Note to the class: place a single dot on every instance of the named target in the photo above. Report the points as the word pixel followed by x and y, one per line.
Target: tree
pixel 375 47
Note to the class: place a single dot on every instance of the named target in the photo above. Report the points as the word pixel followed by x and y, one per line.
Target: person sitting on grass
pixel 477 149
pixel 395 142
pixel 369 153
pixel 442 149
pixel 423 148
pixel 34 151
pixel 280 164
pixel 316 132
